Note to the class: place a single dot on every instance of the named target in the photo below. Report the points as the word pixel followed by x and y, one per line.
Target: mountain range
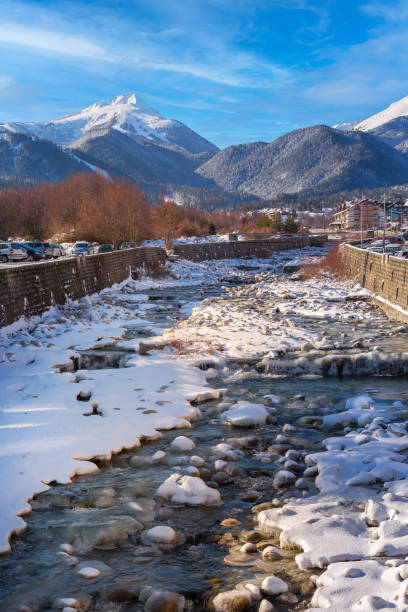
pixel 125 137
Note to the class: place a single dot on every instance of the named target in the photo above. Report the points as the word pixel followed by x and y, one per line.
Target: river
pixel 288 358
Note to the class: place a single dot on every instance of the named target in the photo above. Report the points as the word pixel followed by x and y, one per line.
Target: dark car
pixel 32 253
pixel 128 245
pixel 396 239
pixel 105 248
pixel 38 246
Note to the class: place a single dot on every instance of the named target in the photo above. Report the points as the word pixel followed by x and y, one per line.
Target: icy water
pixel 102 515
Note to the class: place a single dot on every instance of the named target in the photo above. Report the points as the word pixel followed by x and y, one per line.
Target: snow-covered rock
pixel 245 414
pixel 271 552
pixel 283 478
pixel 272 585
pixel 188 490
pixel 162 534
pixel 182 444
pixel 158 456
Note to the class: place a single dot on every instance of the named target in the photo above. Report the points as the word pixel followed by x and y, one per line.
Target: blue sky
pixel 233 70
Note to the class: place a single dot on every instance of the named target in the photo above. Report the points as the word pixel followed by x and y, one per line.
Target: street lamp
pixel 385 220
pixel 361 224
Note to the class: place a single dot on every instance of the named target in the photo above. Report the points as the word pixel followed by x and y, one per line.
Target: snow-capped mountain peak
pixel 131 99
pixel 390 125
pixel 395 110
pixel 126 113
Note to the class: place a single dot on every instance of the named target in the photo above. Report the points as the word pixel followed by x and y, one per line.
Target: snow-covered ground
pixel 238 328
pixel 46 433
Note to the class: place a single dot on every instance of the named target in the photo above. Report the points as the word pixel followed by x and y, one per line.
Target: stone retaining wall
pixel 386 277
pixel 246 248
pixel 31 289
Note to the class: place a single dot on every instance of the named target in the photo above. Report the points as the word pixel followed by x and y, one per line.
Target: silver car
pixel 81 248
pixel 11 252
pixel 53 251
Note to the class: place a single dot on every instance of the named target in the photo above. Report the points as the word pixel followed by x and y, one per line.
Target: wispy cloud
pixel 243 72
pixel 47 40
pixel 211 55
pixel 198 105
pixel 396 10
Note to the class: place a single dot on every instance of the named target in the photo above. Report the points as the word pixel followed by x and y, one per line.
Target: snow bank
pixel 362 510
pixel 47 434
pixel 361 586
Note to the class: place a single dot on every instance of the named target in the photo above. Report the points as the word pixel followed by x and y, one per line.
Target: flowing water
pixel 101 514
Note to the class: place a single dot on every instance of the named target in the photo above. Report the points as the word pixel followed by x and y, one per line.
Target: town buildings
pixel 359 215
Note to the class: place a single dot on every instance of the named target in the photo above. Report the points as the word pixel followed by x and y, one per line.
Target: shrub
pixel 331 264
pixel 211 229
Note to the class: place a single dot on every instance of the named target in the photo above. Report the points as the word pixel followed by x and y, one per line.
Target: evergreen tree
pixel 290 226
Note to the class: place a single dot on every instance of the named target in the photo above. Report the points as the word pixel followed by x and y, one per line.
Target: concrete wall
pixel 31 289
pixel 246 248
pixel 385 276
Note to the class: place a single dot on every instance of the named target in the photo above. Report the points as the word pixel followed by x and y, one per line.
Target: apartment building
pixel 359 214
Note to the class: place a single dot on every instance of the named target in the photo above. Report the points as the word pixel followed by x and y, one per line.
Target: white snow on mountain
pixel 397 109
pixel 126 113
pixel 346 127
pixel 393 111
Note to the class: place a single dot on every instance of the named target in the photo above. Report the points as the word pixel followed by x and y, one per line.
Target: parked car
pixel 105 248
pixel 81 248
pixel 396 239
pixel 53 251
pixel 378 244
pixel 392 249
pixel 11 251
pixel 32 254
pixel 128 245
pixel 402 253
pixel 48 250
pixel 38 246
